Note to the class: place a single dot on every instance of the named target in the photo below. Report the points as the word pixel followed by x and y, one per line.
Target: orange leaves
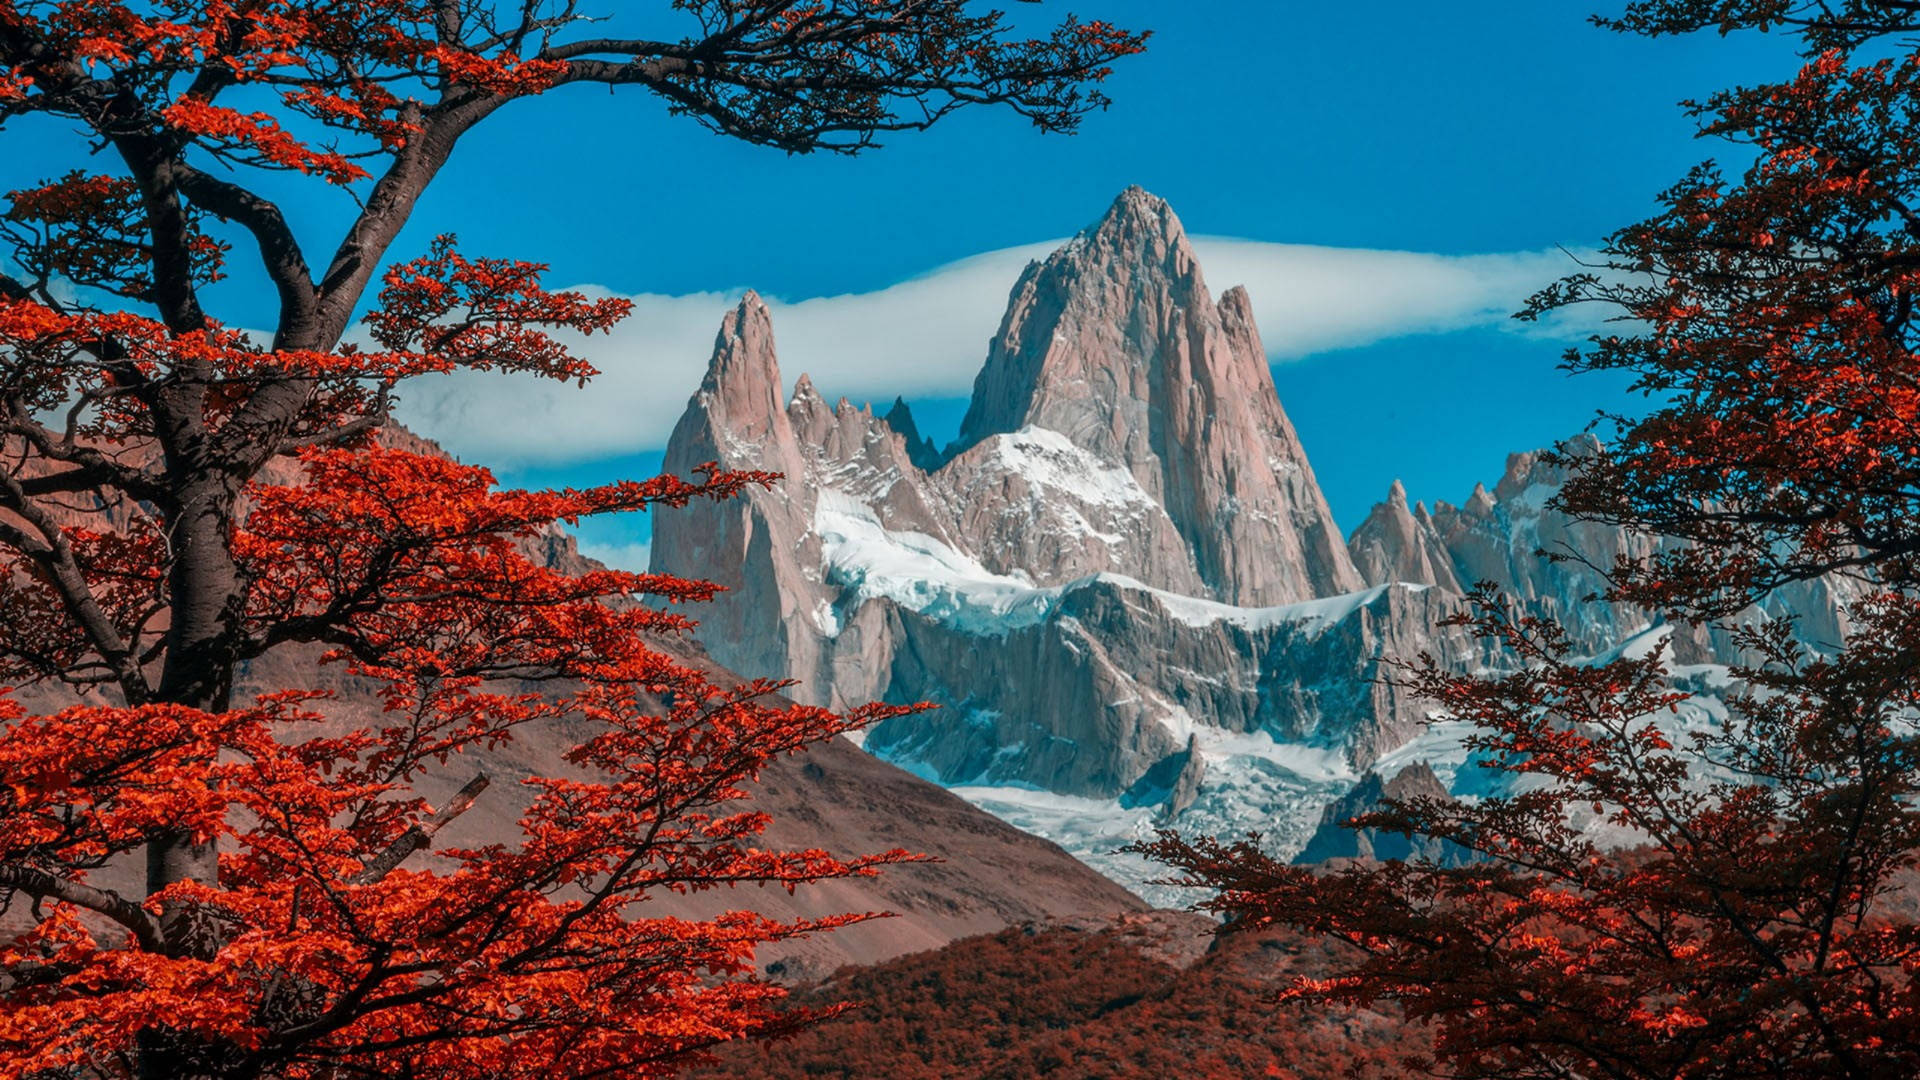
pixel 361 67
pixel 260 136
pixel 26 323
pixel 1110 39
pixel 486 314
pixel 505 73
pixel 423 542
pixel 415 568
pixel 439 314
pixel 129 771
pixel 92 231
pixel 534 945
pixel 1777 339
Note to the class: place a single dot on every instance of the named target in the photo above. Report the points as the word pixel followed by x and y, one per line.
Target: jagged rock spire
pixel 739 418
pixel 1396 543
pixel 1114 342
pixel 738 414
pixel 920 450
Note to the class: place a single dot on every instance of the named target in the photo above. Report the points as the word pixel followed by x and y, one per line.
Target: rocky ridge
pixel 1551 564
pixel 1121 582
pixel 1336 839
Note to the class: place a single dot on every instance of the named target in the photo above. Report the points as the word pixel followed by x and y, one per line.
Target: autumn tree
pixel 1740 901
pixel 180 501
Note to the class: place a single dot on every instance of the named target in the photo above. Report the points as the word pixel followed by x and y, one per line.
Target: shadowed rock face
pixel 1172 784
pixel 1336 840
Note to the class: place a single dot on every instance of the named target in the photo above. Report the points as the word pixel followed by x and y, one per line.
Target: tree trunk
pixel 205 588
pixel 206 594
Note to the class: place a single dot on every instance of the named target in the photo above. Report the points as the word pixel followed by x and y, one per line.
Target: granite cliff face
pixel 1115 343
pixel 1121 582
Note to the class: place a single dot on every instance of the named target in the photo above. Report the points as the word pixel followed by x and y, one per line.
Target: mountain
pixel 1121 582
pixel 1114 343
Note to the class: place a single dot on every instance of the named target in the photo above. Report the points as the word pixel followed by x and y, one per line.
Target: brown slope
pixel 990 874
pixel 833 796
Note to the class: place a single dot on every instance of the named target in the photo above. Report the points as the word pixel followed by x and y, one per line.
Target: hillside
pixel 1127 1002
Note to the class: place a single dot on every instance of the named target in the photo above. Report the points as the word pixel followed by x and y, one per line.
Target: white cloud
pixel 620 556
pixel 926 337
pixel 1315 299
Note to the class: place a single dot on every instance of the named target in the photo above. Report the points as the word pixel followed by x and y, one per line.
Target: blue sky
pixel 1498 127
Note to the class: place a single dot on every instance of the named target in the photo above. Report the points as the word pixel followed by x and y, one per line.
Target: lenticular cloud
pixel 927 336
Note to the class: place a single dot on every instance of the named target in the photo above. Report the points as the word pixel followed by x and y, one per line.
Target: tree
pixel 179 499
pixel 1744 902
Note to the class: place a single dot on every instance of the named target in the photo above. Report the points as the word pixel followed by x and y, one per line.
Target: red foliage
pixel 179 499
pixel 314 946
pixel 1737 901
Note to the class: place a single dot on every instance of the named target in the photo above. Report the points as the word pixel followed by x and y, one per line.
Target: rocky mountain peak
pixel 1395 544
pixel 1124 583
pixel 1139 232
pixel 920 449
pixel 1082 325
pixel 803 389
pixel 1114 343
pixel 1480 503
pixel 739 411
pixel 1532 467
pixel 744 362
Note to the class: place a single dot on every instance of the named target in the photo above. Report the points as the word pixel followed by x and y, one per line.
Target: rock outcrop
pixel 1336 839
pixel 1172 784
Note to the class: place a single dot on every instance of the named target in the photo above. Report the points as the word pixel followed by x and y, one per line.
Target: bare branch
pixel 39 883
pixel 421 835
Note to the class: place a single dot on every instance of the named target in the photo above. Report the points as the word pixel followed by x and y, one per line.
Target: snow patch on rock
pixel 866 560
pixel 1048 459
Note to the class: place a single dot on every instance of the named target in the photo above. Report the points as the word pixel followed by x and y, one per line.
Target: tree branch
pixel 421 835
pixel 55 555
pixel 40 883
pixel 280 252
